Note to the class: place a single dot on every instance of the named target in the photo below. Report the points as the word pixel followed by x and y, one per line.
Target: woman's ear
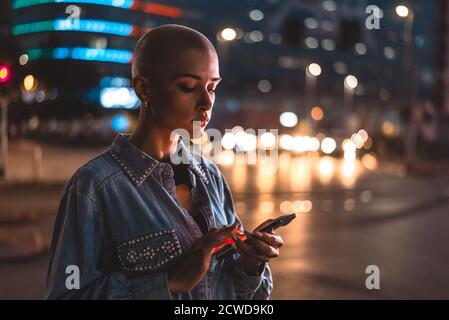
pixel 142 88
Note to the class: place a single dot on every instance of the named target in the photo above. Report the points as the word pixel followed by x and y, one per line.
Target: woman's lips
pixel 202 120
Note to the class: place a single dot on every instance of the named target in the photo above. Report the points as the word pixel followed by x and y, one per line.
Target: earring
pixel 148 107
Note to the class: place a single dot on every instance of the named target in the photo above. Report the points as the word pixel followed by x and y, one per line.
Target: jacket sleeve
pixel 78 245
pixel 247 287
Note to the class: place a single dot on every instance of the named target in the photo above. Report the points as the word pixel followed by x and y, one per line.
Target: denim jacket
pixel 121 226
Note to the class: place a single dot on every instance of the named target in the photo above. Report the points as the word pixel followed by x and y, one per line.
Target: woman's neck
pixel 153 140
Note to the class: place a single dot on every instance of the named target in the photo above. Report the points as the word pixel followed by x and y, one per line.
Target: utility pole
pixel 410 136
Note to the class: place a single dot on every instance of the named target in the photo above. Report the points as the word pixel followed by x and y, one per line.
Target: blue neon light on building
pixel 126 4
pixel 78 53
pixel 106 55
pixel 112 3
pixel 96 26
pixel 121 29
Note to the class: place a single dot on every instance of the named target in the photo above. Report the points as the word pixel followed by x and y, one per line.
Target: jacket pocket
pixel 150 251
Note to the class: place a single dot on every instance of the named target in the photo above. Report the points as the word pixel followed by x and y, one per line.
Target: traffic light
pixel 5 74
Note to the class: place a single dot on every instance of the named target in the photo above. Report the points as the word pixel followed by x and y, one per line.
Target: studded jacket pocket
pixel 150 251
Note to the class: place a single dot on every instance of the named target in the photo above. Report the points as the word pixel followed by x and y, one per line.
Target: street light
pixel 224 37
pixel 402 11
pixel 350 83
pixel 313 70
pixel 407 15
pixel 29 82
pixel 228 34
pixel 23 59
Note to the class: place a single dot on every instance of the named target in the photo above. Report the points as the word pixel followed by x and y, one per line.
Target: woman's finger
pixel 216 237
pixel 249 251
pixel 272 239
pixel 261 246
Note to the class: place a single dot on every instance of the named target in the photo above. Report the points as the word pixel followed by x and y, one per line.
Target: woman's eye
pixel 185 88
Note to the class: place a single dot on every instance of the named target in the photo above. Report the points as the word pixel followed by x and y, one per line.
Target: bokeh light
pixel 402 11
pixel 328 145
pixel 351 82
pixel 317 113
pixel 288 119
pixel 228 34
pixel 314 69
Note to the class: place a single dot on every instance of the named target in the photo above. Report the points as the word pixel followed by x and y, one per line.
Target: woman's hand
pixel 197 260
pixel 260 247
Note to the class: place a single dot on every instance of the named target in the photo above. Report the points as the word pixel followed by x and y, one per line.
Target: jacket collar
pixel 138 165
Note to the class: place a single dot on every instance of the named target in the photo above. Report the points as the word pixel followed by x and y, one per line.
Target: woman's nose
pixel 206 101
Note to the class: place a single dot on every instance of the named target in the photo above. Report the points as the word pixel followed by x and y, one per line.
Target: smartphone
pixel 275 224
pixel 279 222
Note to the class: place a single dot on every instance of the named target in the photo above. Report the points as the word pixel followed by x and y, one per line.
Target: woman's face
pixel 185 91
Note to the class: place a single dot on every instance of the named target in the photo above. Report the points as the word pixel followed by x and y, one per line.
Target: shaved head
pixel 175 72
pixel 159 48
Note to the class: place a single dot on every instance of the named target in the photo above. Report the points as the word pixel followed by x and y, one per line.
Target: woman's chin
pixel 196 131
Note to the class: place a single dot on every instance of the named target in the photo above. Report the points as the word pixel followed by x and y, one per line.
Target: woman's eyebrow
pixel 195 76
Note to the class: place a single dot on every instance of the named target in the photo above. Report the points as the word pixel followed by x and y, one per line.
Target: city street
pixel 335 110
pixel 398 224
pixel 347 220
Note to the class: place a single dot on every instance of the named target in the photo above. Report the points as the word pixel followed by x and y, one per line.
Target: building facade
pixel 80 52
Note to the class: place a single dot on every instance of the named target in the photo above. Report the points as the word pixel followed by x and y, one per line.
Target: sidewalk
pixel 418 168
pixel 31 161
pixel 27 212
pixel 30 193
pixel 427 167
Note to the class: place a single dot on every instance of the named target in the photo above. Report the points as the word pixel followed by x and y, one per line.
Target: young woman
pixel 132 224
